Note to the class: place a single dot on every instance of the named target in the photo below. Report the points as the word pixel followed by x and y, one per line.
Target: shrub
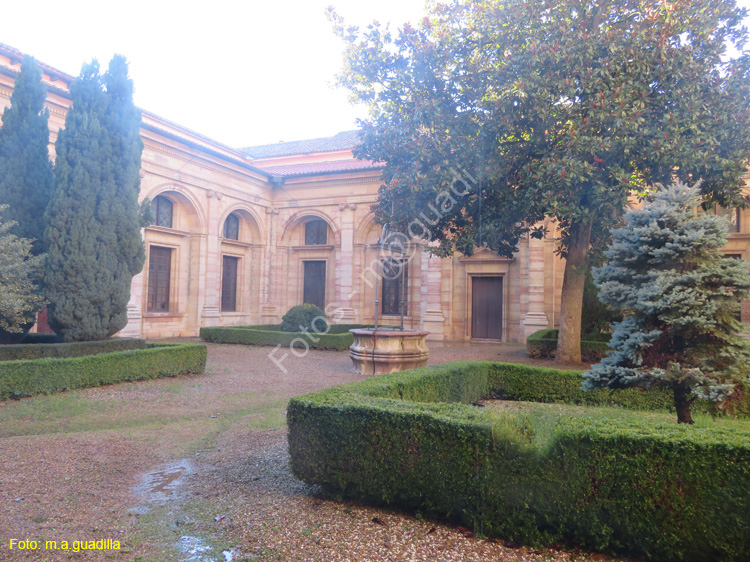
pixel 21 351
pixel 338 337
pixel 304 317
pixel 632 485
pixel 543 343
pixel 48 375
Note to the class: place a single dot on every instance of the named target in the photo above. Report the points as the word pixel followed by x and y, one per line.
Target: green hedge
pixel 628 484
pixel 20 351
pixel 48 375
pixel 338 337
pixel 41 338
pixel 543 343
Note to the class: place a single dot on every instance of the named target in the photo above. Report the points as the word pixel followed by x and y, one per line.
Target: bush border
pixel 337 338
pixel 31 351
pixel 543 343
pixel 410 439
pixel 46 376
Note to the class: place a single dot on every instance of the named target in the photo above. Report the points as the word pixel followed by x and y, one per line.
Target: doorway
pixel 487 308
pixel 314 291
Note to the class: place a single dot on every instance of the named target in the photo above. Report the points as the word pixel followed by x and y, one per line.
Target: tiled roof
pixel 322 167
pixel 339 141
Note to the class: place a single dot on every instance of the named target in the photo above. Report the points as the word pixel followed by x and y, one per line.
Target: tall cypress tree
pixel 124 127
pixel 94 239
pixel 25 169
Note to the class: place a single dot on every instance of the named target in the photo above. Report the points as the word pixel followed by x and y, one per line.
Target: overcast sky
pixel 242 73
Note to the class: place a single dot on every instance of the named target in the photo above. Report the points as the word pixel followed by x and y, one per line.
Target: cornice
pixel 157 146
pixel 204 165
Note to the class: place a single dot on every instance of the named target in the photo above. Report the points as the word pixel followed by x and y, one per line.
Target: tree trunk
pixel 569 338
pixel 682 404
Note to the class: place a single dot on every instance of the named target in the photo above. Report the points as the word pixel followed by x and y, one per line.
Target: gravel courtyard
pixel 195 469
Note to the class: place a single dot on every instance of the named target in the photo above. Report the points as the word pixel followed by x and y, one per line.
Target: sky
pixel 242 73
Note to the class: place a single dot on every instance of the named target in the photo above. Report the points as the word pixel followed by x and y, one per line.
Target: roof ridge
pixel 339 141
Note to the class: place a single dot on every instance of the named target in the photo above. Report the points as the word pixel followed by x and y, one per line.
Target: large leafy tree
pixel 553 108
pixel 95 246
pixel 19 268
pixel 681 298
pixel 26 177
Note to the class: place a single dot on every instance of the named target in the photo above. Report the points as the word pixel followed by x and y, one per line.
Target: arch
pixel 552 228
pixel 247 214
pixel 364 229
pixel 302 216
pixel 195 213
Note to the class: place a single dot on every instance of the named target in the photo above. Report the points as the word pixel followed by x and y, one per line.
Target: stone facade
pixel 276 191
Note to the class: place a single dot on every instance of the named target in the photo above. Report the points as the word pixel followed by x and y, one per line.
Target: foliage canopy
pixel 556 108
pixel 19 298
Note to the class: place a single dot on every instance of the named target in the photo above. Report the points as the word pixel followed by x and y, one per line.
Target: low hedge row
pixel 48 375
pixel 543 343
pixel 337 338
pixel 21 351
pixel 633 485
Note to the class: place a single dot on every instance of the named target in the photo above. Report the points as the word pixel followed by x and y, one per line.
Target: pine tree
pixel 680 297
pixel 25 169
pixel 94 239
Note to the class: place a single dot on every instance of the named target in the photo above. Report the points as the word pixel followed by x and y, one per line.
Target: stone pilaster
pixel 212 262
pixel 134 327
pixel 269 310
pixel 344 312
pixel 433 319
pixel 535 318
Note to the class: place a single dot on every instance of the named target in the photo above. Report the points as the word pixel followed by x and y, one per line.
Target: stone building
pixel 242 235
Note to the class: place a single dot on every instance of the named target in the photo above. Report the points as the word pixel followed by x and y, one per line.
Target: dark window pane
pixel 232 227
pixel 159 273
pixel 316 233
pixel 395 286
pixel 732 215
pixel 162 209
pixel 314 290
pixel 229 284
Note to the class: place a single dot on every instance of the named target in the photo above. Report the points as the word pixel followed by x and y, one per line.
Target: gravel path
pixel 87 465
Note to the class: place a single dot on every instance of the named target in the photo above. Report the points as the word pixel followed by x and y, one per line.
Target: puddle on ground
pixel 193 549
pixel 164 485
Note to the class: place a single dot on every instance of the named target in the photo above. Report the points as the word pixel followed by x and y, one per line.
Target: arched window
pixel 316 232
pixel 232 227
pixel 162 209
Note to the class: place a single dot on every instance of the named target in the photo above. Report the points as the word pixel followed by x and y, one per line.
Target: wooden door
pixel 487 308
pixel 315 283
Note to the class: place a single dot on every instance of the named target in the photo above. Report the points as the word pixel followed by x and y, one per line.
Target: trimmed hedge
pixel 48 375
pixel 632 484
pixel 543 343
pixel 304 317
pixel 41 338
pixel 338 337
pixel 21 351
